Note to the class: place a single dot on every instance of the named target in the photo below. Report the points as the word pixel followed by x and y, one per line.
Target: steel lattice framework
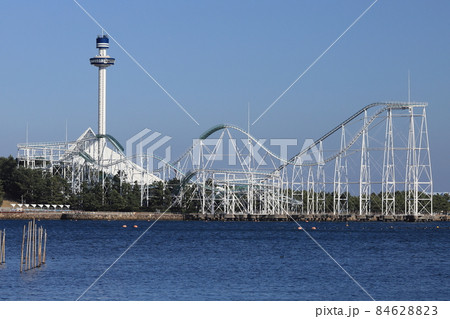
pixel 89 160
pixel 370 158
pixel 383 148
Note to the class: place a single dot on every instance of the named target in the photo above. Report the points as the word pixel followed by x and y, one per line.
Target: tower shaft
pixel 101 101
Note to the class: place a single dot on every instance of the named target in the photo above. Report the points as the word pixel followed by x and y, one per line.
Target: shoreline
pixel 85 215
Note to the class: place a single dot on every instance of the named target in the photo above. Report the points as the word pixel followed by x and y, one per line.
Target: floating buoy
pixel 124 226
pixel 346 225
pixel 313 228
pixel 300 228
pixel 135 226
pixel 437 226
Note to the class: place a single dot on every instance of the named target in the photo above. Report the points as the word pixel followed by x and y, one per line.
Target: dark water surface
pixel 232 261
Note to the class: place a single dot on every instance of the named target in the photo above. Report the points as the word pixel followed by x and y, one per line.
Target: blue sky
pixel 215 57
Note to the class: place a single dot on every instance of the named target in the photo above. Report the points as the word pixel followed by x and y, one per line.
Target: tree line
pixel 441 202
pixel 25 185
pixel 33 186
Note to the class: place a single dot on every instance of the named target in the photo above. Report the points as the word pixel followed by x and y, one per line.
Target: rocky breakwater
pixel 83 215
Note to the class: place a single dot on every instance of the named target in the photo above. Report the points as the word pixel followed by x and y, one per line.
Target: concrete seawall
pixel 319 218
pixel 83 215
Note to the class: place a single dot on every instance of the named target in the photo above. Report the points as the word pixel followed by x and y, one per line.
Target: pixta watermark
pixel 148 148
pixel 151 150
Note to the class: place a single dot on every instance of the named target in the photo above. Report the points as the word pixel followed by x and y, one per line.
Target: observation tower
pixel 102 61
pixel 94 156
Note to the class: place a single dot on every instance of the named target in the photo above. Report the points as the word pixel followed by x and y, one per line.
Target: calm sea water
pixel 232 261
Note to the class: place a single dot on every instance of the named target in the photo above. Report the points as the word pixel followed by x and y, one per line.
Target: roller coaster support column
pixel 285 191
pixel 364 176
pixel 388 178
pixel 424 173
pixel 310 193
pixel 411 182
pixel 297 185
pixel 320 192
pixel 419 181
pixel 340 185
pixel 213 195
pixel 250 193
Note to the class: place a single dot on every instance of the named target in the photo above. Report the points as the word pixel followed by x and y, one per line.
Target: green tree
pixel 132 196
pixel 91 197
pixel 441 203
pixel 7 167
pixel 2 193
pixel 115 201
pixel 375 203
pixel 353 203
pixel 189 205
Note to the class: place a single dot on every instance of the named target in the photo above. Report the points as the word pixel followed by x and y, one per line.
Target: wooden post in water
pixel 2 239
pixel 34 243
pixel 30 258
pixel 4 245
pixel 21 251
pixel 36 246
pixel 28 263
pixel 41 235
pixel 39 246
pixel 1 248
pixel 26 249
pixel 31 246
pixel 45 246
pixel 3 252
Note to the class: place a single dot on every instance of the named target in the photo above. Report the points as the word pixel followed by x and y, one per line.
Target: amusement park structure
pixel 92 156
pixel 361 155
pixel 380 154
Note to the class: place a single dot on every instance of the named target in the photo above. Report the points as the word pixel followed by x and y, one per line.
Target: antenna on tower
pixel 249 142
pixel 248 118
pixel 409 86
